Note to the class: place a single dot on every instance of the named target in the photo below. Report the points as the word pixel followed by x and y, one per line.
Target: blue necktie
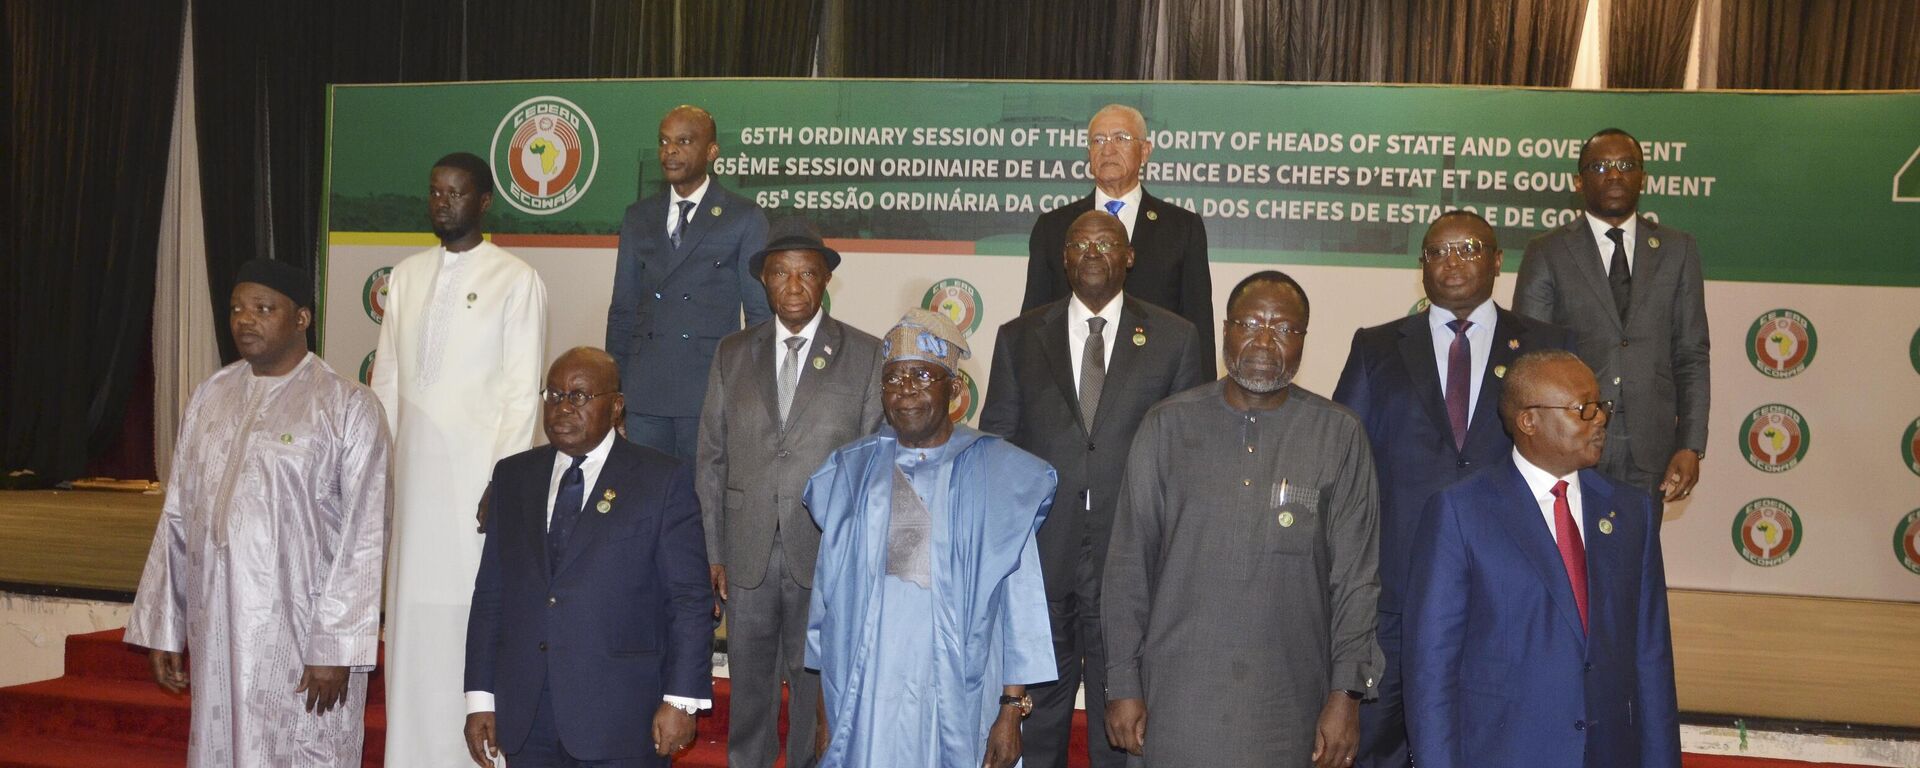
pixel 566 511
pixel 679 232
pixel 1114 206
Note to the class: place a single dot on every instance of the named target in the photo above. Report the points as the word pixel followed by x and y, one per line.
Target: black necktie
pixel 680 230
pixel 1093 371
pixel 1459 379
pixel 566 511
pixel 1618 275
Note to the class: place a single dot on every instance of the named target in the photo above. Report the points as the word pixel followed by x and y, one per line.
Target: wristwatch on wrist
pixel 1022 703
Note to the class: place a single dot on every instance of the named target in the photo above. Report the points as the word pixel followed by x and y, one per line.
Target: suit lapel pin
pixel 286 438
pixel 819 363
pixel 827 348
pixel 1499 371
pixel 1513 343
pixel 471 297
pixel 1153 215
pixel 1653 242
pixel 1606 526
pixel 1286 519
pixel 606 502
pixel 715 211
pixel 1139 336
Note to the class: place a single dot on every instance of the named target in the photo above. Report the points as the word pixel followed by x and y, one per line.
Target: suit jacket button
pixel 553 600
pixel 543 647
pixel 781 454
pixel 686 336
pixel 1588 667
pixel 686 296
pixel 1623 342
pixel 1463 463
pixel 656 294
pixel 1579 725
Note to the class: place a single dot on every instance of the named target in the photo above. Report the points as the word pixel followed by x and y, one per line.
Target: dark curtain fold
pixel 780 44
pixel 1820 44
pixel 1648 42
pixel 1481 42
pixel 89 114
pixel 1012 39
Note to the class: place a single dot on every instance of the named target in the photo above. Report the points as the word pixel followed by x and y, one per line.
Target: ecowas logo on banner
pixel 1910 447
pixel 550 155
pixel 1774 438
pixel 1781 343
pixel 1766 532
pixel 1913 350
pixel 962 407
pixel 373 295
pixel 1906 541
pixel 366 368
pixel 958 300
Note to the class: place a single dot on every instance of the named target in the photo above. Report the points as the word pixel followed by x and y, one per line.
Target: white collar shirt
pixel 1540 483
pixel 674 199
pixel 1077 331
pixel 1128 212
pixel 1628 229
pixel 1479 347
pixel 806 334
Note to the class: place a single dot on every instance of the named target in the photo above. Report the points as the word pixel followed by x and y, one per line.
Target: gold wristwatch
pixel 1022 703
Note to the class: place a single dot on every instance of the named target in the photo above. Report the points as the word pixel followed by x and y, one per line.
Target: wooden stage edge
pixel 1803 659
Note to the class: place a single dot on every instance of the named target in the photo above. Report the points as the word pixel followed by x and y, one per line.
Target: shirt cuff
pixel 479 701
pixel 685 702
pixel 1356 677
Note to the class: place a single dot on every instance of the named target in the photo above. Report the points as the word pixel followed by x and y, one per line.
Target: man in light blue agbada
pixel 929 615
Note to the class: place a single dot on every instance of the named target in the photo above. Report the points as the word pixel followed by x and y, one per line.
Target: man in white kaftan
pixel 267 560
pixel 459 368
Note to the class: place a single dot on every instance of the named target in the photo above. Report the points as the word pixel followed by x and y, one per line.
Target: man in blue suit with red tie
pixel 1426 386
pixel 588 641
pixel 1536 607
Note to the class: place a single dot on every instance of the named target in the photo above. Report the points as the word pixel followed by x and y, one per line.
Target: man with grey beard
pixel 1240 584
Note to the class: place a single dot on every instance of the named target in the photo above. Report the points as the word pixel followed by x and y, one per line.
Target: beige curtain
pixel 184 351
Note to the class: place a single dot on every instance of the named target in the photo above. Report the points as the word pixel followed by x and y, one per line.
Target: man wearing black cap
pixel 267 561
pixel 781 395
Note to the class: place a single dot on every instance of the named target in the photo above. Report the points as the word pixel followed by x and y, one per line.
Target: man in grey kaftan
pixel 1240 581
pixel 267 561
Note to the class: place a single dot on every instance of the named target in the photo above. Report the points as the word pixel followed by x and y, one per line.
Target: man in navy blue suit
pixel 588 642
pixel 681 282
pixel 1536 607
pixel 1426 386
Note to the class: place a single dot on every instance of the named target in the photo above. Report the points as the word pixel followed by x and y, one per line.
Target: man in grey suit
pixel 781 395
pixel 1071 380
pixel 680 283
pixel 1631 292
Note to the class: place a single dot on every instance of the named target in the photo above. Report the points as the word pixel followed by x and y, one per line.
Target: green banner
pixel 1807 188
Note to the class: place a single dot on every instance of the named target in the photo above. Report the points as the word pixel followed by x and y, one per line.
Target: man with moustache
pixel 266 563
pixel 590 635
pixel 1063 391
pixel 929 618
pixel 458 369
pixel 1240 585
pixel 781 396
pixel 1425 387
pixel 1536 612
pixel 1169 242
pixel 1631 292
pixel 680 284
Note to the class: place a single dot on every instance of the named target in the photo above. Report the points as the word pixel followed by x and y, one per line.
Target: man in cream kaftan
pixel 459 367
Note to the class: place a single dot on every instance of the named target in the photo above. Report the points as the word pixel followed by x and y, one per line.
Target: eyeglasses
pixel 1080 247
pixel 1587 410
pixel 575 398
pixel 1599 167
pixel 911 382
pixel 1120 137
pixel 1468 250
pixel 1281 329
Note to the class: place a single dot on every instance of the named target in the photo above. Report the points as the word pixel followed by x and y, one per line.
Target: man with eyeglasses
pixel 1631 292
pixel 590 637
pixel 1238 602
pixel 1071 378
pixel 1169 242
pixel 1425 387
pixel 458 369
pixel 929 618
pixel 1536 611
pixel 781 396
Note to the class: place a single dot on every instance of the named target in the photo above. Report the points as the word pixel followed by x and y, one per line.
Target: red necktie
pixel 1572 553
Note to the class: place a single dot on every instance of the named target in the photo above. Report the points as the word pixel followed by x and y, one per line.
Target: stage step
pixel 41 752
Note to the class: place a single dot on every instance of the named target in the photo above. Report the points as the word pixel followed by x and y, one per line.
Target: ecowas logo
pixel 1766 532
pixel 1910 447
pixel 549 157
pixel 1781 343
pixel 958 300
pixel 1419 307
pixel 373 295
pixel 1913 350
pixel 963 404
pixel 366 369
pixel 1774 438
pixel 1906 541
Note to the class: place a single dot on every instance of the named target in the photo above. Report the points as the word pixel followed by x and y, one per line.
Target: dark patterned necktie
pixel 1618 275
pixel 680 230
pixel 1459 379
pixel 1093 370
pixel 566 511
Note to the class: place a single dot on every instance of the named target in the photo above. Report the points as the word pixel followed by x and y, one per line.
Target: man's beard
pixel 450 234
pixel 1263 384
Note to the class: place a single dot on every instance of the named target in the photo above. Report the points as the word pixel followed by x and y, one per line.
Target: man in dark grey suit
pixel 781 395
pixel 1631 292
pixel 1071 380
pixel 680 284
pixel 1169 242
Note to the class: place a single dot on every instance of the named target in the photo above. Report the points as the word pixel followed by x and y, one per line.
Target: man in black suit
pixel 1426 387
pixel 589 638
pixel 1169 242
pixel 1071 380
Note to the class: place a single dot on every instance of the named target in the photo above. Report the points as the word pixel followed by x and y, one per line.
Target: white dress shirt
pixel 1600 239
pixel 482 701
pixel 1077 331
pixel 674 198
pixel 1479 347
pixel 1128 212
pixel 780 336
pixel 1541 482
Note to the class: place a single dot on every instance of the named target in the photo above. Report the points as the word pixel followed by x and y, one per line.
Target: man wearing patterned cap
pixel 929 615
pixel 266 563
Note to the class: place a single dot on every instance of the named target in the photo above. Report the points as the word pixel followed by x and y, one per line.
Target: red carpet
pixel 106 711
